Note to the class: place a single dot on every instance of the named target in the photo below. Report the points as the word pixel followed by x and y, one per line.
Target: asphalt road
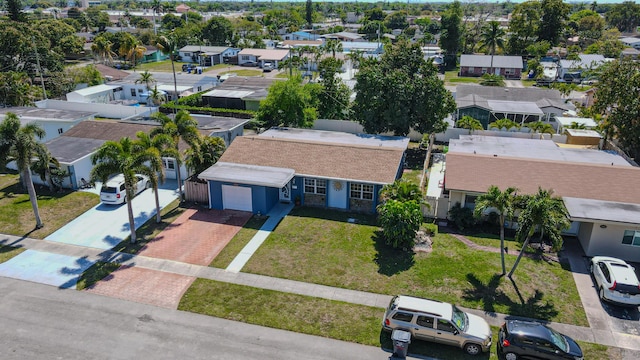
pixel 44 322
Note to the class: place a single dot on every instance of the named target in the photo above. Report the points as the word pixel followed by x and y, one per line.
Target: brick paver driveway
pixel 196 237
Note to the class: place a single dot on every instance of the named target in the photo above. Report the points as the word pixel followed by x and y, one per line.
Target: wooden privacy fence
pixel 196 191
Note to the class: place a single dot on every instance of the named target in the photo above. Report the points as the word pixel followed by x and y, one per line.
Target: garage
pixel 236 198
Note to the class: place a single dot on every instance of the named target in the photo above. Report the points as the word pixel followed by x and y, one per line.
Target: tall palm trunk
pixel 515 265
pixel 26 175
pixel 132 225
pixel 179 175
pixel 158 216
pixel 504 269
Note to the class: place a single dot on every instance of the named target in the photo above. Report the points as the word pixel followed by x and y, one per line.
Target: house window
pixel 168 164
pixel 60 131
pixel 199 88
pixel 510 71
pixel 471 69
pixel 140 91
pixel 133 92
pixel 187 54
pixel 361 191
pixel 484 70
pixel 315 186
pixel 470 201
pixel 631 237
pixel 246 57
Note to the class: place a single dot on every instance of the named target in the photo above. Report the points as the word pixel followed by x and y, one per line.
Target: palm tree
pixel 333 46
pixel 492 38
pixel 541 127
pixel 168 47
pixel 467 122
pixel 101 48
pixel 121 157
pixel 502 201
pixel 545 214
pixel 18 143
pixel 504 124
pixel 157 96
pixel 158 146
pixel 182 126
pixel 204 152
pixel 577 125
pixel 146 78
pixel 43 164
pixel 157 7
pixel 401 190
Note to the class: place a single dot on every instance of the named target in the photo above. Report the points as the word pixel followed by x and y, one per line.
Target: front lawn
pixel 244 72
pixel 56 209
pixel 7 252
pixel 328 318
pixel 242 238
pixel 322 247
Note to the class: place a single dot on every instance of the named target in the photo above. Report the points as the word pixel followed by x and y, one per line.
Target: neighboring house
pixel 207 55
pixel 630 53
pixel 270 43
pixel 564 122
pixel 633 42
pixel 521 105
pixel 584 62
pixel 365 47
pixel 510 67
pixel 261 56
pixel 104 94
pixel 153 54
pixel 300 35
pixel 238 92
pixel 54 122
pixel 603 207
pixel 226 128
pixel 288 44
pixel 317 168
pixel 344 36
pixel 111 74
pixel 74 148
pixel 183 8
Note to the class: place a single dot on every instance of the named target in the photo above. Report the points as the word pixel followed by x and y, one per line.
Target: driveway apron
pixel 102 227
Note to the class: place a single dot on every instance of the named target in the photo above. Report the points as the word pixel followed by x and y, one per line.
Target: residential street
pixel 44 322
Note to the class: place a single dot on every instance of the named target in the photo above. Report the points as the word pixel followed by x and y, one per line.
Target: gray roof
pixel 182 79
pixel 556 103
pixel 220 123
pixel 207 49
pixel 530 149
pixel 27 113
pixel 514 107
pixel 248 174
pixel 630 40
pixel 68 149
pixel 585 61
pixel 602 210
pixel 334 137
pixel 504 93
pixel 499 61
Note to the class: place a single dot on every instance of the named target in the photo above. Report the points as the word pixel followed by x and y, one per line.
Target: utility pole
pixel 35 48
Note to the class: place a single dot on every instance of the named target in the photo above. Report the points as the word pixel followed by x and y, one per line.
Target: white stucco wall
pixel 607 241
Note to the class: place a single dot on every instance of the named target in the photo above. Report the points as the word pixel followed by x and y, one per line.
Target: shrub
pixel 462 217
pixel 400 221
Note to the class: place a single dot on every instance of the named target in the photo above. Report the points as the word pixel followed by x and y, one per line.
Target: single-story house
pixel 262 56
pixel 602 205
pixel 565 122
pixel 239 92
pixel 74 148
pixel 633 42
pixel 289 44
pixel 584 62
pixel 344 36
pixel 300 35
pixel 153 54
pixel 510 67
pixel 227 128
pixel 206 55
pixel 55 122
pixel 521 105
pixel 317 168
pixel 365 47
pixel 103 94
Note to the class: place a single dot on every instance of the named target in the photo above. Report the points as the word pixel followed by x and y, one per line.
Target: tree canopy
pixel 289 103
pixel 400 92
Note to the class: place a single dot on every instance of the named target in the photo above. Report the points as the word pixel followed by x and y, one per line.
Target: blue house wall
pixel 262 198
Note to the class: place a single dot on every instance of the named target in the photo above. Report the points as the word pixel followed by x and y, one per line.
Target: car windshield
pixel 558 340
pixel 459 318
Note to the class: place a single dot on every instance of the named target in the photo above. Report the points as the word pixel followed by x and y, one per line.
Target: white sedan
pixel 616 281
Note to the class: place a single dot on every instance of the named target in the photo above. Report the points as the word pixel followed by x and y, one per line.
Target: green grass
pixel 304 314
pixel 7 252
pixel 56 209
pixel 242 238
pixel 354 256
pixel 326 318
pixel 452 77
pixel 95 273
pixel 413 176
pixel 164 65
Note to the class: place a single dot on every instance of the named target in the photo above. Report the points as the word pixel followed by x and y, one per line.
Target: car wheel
pixel 472 349
pixel 147 185
pixel 601 293
pixel 124 200
pixel 510 356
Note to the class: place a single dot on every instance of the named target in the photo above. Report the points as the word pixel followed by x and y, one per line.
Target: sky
pixel 439 1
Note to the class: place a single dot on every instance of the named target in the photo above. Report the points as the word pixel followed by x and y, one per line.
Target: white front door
pixel 285 193
pixel 236 198
pixel 337 191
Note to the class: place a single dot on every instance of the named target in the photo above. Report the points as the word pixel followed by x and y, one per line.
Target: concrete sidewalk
pixel 593 335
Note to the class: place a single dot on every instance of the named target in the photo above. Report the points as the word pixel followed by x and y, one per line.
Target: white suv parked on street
pixel 113 191
pixel 616 281
pixel 438 321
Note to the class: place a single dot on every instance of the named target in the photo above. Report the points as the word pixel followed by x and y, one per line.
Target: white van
pixel 113 191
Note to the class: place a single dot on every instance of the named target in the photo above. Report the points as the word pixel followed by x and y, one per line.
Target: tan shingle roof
pixel 366 164
pixel 473 172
